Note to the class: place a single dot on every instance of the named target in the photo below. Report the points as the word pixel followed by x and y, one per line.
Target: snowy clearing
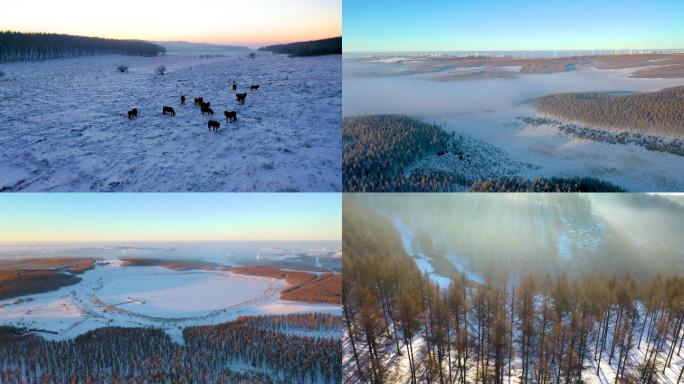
pixel 64 124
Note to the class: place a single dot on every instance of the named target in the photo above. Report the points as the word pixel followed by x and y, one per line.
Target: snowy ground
pixel 113 295
pixel 64 125
pixel 423 261
pixel 397 365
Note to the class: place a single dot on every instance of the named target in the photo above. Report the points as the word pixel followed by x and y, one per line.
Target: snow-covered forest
pixel 401 326
pixel 264 349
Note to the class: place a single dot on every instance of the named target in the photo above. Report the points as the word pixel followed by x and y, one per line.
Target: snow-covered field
pixel 115 295
pixel 488 110
pixel 64 125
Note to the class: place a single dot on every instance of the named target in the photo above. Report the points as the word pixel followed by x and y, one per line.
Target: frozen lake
pixel 64 125
pixel 487 109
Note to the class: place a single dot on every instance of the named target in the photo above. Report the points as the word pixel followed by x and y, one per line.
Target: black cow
pixel 254 87
pixel 207 111
pixel 241 97
pixel 182 100
pixel 230 115
pixel 198 101
pixel 133 113
pixel 214 125
pixel 168 111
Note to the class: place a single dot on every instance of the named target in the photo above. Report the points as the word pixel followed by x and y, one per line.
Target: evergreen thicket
pixel 331 46
pixel 554 184
pixel 268 349
pixel 659 112
pixel 378 149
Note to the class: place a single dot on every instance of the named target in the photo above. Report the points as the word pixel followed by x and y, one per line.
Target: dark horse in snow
pixel 241 97
pixel 182 100
pixel 207 111
pixel 214 125
pixel 231 115
pixel 254 87
pixel 234 86
pixel 198 101
pixel 133 113
pixel 168 111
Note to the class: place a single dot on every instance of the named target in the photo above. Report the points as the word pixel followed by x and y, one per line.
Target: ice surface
pixel 64 125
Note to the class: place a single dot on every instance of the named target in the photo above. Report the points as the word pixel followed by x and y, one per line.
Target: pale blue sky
pixel 169 217
pixel 462 25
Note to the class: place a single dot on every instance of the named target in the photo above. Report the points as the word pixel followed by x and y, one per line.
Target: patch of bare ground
pixel 661 72
pixel 652 65
pixel 71 264
pixel 302 286
pixel 22 282
pixel 325 288
pixel 476 74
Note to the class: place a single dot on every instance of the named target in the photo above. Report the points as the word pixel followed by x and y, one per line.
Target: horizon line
pixel 514 50
pixel 152 241
pixel 233 44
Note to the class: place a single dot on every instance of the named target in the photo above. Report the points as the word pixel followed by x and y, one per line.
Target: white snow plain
pixel 116 295
pixel 64 124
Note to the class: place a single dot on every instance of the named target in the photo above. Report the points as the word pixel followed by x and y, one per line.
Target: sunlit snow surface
pixel 64 125
pixel 115 295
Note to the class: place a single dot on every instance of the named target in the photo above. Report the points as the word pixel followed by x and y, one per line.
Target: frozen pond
pixel 487 109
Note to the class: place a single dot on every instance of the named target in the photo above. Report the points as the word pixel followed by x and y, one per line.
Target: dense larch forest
pixel 402 327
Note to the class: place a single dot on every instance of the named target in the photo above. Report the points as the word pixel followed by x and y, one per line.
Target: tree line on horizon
pixel 553 329
pixel 331 46
pixel 20 46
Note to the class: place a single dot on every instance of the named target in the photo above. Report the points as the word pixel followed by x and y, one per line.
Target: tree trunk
pixel 351 338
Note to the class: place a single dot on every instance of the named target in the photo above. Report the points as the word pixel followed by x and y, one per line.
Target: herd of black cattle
pixel 205 107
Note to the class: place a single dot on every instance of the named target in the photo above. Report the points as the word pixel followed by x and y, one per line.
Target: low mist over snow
pixel 497 235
